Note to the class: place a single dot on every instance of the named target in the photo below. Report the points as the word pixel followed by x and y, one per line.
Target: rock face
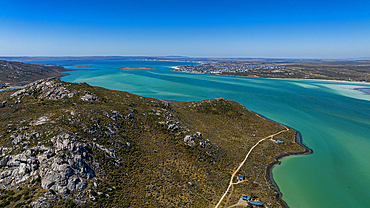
pixel 16 169
pixel 64 167
pixel 67 173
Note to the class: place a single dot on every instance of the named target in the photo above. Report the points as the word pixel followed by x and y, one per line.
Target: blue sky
pixel 264 28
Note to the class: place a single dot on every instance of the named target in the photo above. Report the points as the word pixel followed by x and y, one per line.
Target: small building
pixel 279 142
pixel 241 177
pixel 246 197
pixel 255 203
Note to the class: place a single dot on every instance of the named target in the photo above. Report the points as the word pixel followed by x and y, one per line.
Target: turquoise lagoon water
pixel 334 121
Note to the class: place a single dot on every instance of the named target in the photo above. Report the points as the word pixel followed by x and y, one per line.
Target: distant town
pixel 241 68
pixel 221 67
pixel 330 70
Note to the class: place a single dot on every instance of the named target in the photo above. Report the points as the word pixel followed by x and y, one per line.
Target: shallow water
pixel 334 121
pixel 10 88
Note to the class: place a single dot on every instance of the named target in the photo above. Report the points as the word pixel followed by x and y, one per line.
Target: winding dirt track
pixel 242 163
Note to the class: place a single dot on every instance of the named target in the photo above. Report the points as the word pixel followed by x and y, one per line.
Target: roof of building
pixel 246 197
pixel 255 203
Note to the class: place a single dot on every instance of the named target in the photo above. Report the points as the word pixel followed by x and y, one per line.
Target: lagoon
pixel 333 118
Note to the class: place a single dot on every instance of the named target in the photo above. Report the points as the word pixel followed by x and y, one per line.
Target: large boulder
pixel 89 97
pixel 189 140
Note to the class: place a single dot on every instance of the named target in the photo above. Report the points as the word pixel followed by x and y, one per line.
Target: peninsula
pixel 14 73
pixel 67 144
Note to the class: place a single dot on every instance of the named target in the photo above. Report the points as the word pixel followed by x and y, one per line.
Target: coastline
pixel 270 181
pixel 269 177
pixel 269 170
pixel 298 139
pixel 282 78
pixel 268 174
pixel 65 70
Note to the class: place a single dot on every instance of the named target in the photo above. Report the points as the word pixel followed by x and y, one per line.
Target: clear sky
pixel 196 28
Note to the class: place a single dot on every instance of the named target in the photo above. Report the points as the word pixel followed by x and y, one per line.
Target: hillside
pixel 18 73
pixel 67 145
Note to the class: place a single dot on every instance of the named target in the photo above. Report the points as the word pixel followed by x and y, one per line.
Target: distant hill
pixel 18 73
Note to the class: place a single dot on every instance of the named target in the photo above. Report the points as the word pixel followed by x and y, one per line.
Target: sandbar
pixel 137 68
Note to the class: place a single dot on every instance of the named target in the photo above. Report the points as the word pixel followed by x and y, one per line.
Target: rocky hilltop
pixel 64 144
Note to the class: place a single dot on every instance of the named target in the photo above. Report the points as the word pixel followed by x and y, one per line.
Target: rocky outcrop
pixel 202 144
pixel 89 97
pixel 16 169
pixel 67 173
pixel 46 88
pixel 65 166
pixel 189 140
pixel 173 127
pixel 18 138
pixel 40 121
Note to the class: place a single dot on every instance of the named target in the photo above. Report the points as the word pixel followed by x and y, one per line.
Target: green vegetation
pixel 156 167
pixel 17 198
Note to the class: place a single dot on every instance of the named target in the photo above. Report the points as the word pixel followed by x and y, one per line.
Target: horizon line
pixel 183 57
